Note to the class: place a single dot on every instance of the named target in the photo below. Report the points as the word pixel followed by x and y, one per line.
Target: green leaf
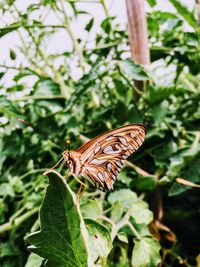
pixel 183 158
pixel 9 28
pixel 89 25
pixel 124 196
pixel 63 238
pixel 106 24
pixel 140 213
pixel 157 94
pixel 191 173
pixel 146 252
pixel 185 13
pixel 46 87
pixel 12 54
pixel 152 3
pixel 8 108
pixel 6 189
pixel 34 260
pixel 116 212
pixel 1 74
pixel 22 73
pixel 100 240
pixel 160 111
pixel 91 209
pixel 146 183
pixel 8 249
pixel 132 71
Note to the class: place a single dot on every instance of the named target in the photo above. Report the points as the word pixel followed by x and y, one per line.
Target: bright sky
pixel 60 42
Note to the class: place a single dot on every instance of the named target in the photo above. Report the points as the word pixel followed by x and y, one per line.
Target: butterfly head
pixel 67 157
pixel 73 161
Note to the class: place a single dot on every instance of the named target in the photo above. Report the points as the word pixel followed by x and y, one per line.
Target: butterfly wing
pixel 103 156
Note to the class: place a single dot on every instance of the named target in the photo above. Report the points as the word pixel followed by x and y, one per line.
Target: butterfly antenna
pixel 68 144
pixel 57 163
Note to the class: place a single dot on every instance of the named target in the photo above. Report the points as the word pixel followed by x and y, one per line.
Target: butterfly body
pixel 101 159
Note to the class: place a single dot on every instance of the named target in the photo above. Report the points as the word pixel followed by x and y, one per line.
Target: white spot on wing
pixel 109 166
pixel 100 176
pixel 119 163
pixel 139 141
pixel 97 149
pixel 110 137
pixel 118 147
pixel 123 140
pixel 132 148
pixel 97 161
pixel 106 175
pixel 114 177
pixel 109 150
pixel 133 135
pixel 90 169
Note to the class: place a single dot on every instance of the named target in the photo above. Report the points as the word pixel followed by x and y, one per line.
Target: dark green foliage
pixel 62 239
pixel 45 105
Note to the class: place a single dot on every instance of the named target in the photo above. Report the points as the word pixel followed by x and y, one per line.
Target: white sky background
pixel 60 41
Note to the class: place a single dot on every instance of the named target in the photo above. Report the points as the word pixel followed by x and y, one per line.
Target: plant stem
pixel 17 221
pixel 138 169
pixel 124 221
pixel 10 27
pixel 32 172
pixel 72 37
pixel 104 7
pixel 25 98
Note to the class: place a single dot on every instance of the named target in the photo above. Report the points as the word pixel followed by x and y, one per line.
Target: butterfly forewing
pixel 103 156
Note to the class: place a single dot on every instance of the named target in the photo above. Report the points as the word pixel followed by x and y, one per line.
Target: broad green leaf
pixel 116 212
pixel 6 189
pixel 160 111
pixel 91 209
pixel 124 177
pixel 106 24
pixel 122 237
pixel 184 12
pixel 8 108
pixel 7 249
pixel 145 183
pixel 124 196
pixel 34 260
pixel 100 240
pixel 157 94
pixel 63 238
pixel 146 252
pixel 141 213
pixel 132 71
pixel 185 156
pixel 191 173
pixel 46 87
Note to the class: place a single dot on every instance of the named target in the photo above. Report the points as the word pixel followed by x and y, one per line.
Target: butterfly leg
pixel 80 191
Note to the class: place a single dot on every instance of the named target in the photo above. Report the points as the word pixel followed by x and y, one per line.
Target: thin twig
pixel 17 221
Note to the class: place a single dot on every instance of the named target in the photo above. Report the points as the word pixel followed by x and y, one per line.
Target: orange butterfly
pixel 101 159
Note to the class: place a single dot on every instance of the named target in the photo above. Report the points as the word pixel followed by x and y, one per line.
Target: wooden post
pixel 198 11
pixel 138 36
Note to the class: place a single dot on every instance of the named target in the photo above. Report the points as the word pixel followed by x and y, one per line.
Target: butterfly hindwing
pixel 104 156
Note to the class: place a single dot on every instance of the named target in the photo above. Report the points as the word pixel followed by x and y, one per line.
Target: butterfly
pixel 101 159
